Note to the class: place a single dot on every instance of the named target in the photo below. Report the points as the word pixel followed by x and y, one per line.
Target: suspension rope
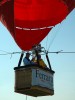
pixel 57 52
pixel 8 53
pixel 61 51
pixel 11 53
pixel 4 51
pixel 57 31
pixel 54 37
pixel 26 97
pixel 47 40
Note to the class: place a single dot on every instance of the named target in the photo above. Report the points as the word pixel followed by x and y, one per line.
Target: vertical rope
pixel 57 31
pixel 54 37
pixel 26 97
pixel 47 40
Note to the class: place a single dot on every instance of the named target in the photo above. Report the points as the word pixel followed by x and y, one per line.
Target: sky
pixel 61 37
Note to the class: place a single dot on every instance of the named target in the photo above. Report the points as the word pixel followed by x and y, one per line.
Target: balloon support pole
pixel 37 56
pixel 48 61
pixel 20 60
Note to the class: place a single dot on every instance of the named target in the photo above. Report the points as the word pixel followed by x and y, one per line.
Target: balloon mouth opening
pixel 41 28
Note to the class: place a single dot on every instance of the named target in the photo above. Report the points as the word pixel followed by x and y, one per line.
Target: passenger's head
pixel 28 54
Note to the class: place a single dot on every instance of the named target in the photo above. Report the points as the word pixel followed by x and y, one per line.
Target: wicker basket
pixel 25 82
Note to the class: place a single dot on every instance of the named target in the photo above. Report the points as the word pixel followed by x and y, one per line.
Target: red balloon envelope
pixel 28 20
pixel 0 15
pixel 0 10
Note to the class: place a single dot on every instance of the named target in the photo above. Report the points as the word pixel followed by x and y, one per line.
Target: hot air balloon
pixel 29 22
pixel 32 17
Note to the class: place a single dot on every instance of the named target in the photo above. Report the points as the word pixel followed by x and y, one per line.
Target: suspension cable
pixel 47 40
pixel 61 51
pixel 26 97
pixel 57 31
pixel 57 52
